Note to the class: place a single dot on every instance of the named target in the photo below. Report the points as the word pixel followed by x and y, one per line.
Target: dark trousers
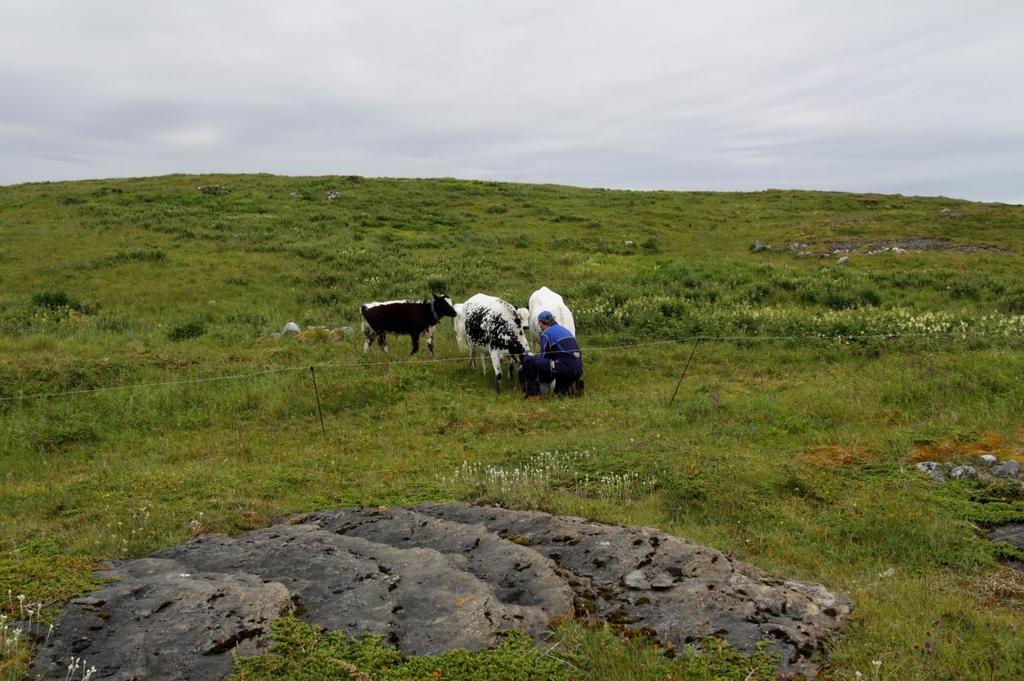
pixel 535 370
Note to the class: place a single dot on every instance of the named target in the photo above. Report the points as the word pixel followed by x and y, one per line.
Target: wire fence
pixel 960 335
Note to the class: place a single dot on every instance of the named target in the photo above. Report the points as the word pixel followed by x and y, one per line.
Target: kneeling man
pixel 560 360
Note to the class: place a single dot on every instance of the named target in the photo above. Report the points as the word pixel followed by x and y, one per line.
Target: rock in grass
pixel 430 578
pixel 933 469
pixel 160 621
pixel 291 327
pixel 1011 533
pixel 212 189
pixel 988 459
pixel 1006 469
pixel 842 261
pixel 759 246
pixel 963 473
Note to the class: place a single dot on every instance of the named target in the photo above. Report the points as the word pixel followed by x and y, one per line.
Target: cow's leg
pixel 415 343
pixel 430 339
pixel 496 364
pixel 382 338
pixel 472 357
pixel 368 335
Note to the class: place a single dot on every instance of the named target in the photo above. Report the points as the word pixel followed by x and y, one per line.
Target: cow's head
pixel 524 319
pixel 520 345
pixel 443 306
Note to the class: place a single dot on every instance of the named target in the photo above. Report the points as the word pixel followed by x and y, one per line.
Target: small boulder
pixel 332 195
pixel 988 459
pixel 759 246
pixel 212 189
pixel 636 580
pixel 842 261
pixel 1006 469
pixel 933 469
pixel 963 473
pixel 291 327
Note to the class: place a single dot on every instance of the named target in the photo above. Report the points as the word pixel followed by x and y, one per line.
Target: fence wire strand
pixel 963 335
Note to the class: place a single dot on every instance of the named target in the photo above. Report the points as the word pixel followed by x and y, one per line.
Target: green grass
pixel 574 652
pixel 145 281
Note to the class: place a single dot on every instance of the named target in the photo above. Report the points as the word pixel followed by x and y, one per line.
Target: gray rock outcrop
pixel 990 470
pixel 963 472
pixel 428 578
pixel 932 468
pixel 1005 469
pixel 1011 533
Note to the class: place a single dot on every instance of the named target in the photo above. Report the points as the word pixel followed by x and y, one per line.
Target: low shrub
pixel 54 300
pixel 190 329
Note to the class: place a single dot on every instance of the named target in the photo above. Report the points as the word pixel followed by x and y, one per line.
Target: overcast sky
pixel 896 96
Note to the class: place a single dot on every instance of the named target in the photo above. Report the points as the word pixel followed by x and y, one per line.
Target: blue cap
pixel 545 316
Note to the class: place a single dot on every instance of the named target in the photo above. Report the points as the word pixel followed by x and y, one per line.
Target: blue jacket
pixel 557 343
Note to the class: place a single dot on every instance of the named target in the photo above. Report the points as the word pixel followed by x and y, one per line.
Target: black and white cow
pixel 413 317
pixel 493 326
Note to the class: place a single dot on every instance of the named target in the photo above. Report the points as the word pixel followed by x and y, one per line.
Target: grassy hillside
pixel 791 447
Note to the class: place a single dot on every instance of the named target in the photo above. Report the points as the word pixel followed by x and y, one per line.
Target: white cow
pixel 546 299
pixel 493 326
